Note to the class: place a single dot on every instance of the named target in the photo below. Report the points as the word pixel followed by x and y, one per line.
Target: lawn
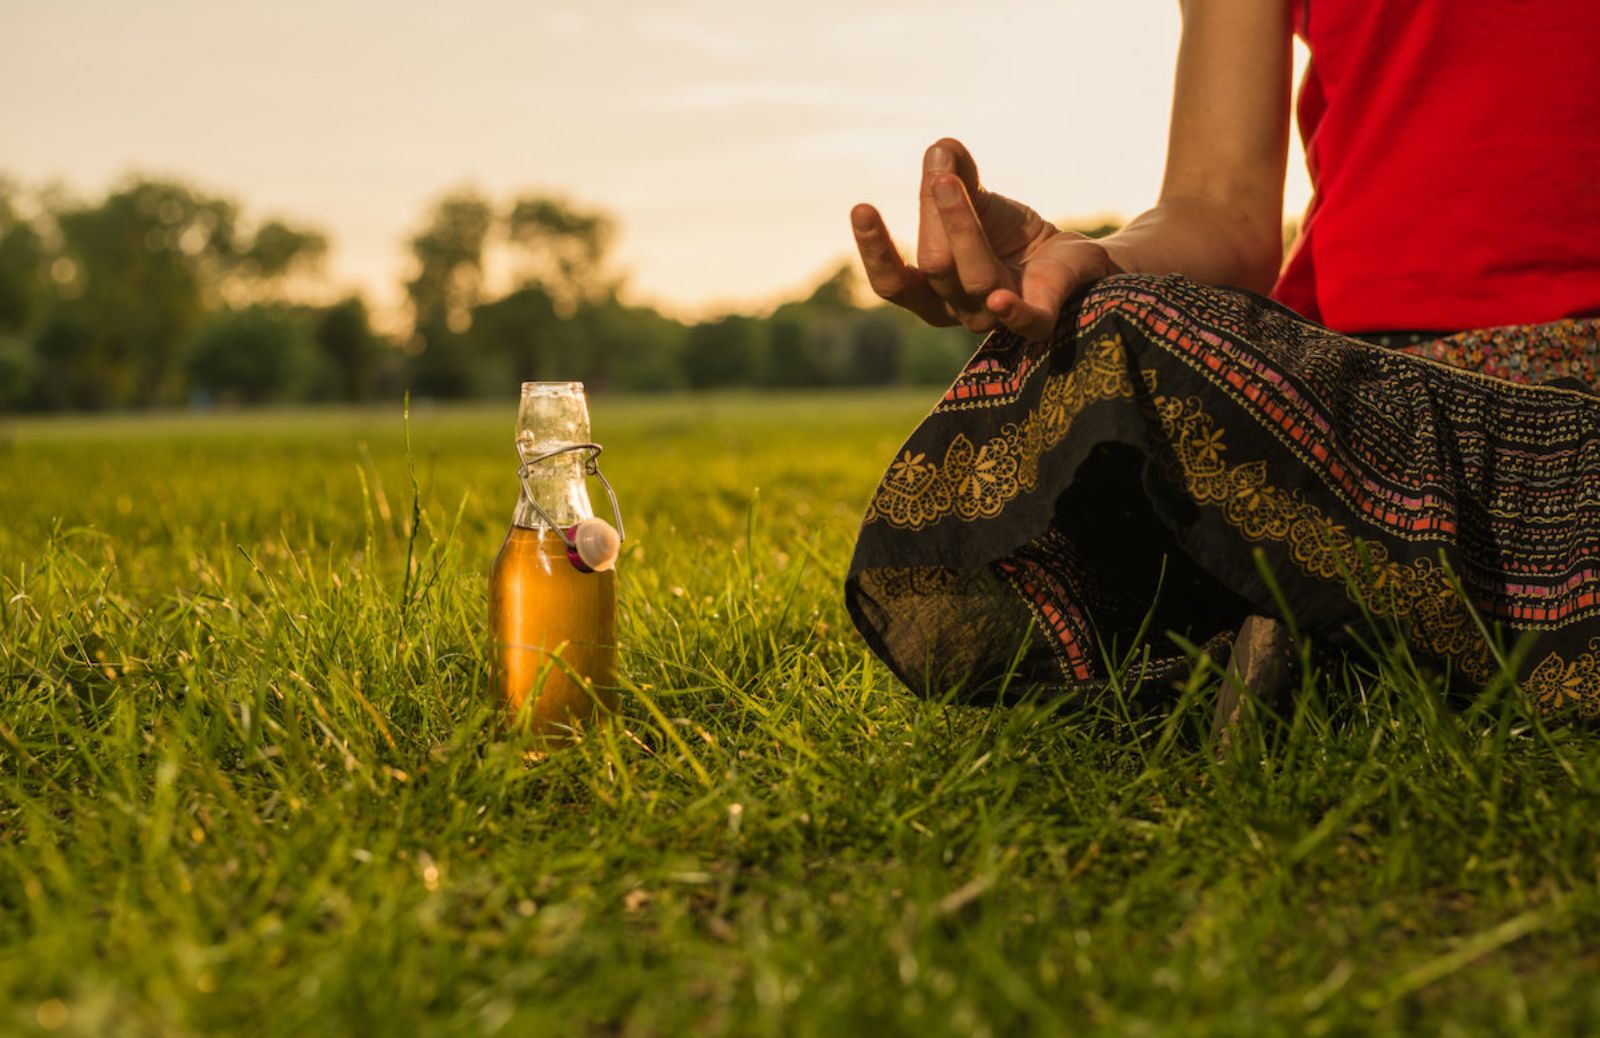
pixel 250 782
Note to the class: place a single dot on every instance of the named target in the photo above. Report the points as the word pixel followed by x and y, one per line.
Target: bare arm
pixel 1220 215
pixel 985 260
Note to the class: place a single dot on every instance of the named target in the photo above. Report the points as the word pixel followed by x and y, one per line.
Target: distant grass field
pixel 249 781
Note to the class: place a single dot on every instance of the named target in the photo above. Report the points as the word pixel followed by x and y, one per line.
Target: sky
pixel 728 137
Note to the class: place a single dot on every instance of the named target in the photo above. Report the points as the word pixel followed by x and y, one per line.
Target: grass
pixel 249 782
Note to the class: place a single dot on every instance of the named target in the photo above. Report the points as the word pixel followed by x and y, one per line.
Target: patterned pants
pixel 1178 457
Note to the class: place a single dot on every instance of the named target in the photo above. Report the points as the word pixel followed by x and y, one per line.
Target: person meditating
pixel 1398 439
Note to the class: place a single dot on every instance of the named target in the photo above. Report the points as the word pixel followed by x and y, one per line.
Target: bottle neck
pixel 558 485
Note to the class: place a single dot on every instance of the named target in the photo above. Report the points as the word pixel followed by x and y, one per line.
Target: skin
pixel 986 261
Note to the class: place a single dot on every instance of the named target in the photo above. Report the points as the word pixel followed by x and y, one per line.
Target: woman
pixel 1145 438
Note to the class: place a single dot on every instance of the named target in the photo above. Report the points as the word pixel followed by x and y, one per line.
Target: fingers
pixel 1029 320
pixel 959 275
pixel 888 274
pixel 1032 310
pixel 965 167
pixel 977 269
pixel 953 248
pixel 1047 280
pixel 933 245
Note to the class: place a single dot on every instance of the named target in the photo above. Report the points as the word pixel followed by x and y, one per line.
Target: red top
pixel 1454 147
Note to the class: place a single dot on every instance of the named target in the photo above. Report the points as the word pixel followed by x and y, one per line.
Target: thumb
pixel 1032 310
pixel 1031 321
pixel 1046 284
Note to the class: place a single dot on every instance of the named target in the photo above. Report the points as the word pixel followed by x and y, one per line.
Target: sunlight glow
pixel 729 139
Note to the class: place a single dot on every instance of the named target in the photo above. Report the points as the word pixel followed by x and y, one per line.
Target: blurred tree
pixel 443 365
pixel 349 348
pixel 626 347
pixel 561 248
pixel 725 352
pixel 24 267
pixel 520 335
pixel 275 257
pixel 448 284
pixel 138 272
pixel 561 320
pixel 876 344
pixel 99 301
pixel 67 375
pixel 931 356
pixel 835 292
pixel 19 367
pixel 809 340
pixel 449 262
pixel 258 354
pixel 793 358
pixel 278 249
pixel 139 265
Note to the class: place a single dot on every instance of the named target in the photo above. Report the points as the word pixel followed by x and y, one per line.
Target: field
pixel 249 781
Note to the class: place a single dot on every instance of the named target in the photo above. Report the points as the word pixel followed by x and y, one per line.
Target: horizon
pixel 728 143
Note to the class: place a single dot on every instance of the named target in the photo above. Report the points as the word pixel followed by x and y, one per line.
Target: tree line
pixel 161 294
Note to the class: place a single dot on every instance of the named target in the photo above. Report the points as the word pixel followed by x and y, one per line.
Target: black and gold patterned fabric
pixel 1178 457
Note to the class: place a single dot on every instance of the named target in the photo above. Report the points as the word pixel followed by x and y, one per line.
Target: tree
pixel 555 323
pixel 140 270
pixel 931 356
pixel 449 262
pixel 19 366
pixel 139 264
pixel 835 292
pixel 561 248
pixel 68 374
pixel 258 354
pixel 792 357
pixel 627 347
pixel 810 340
pixel 348 346
pixel 520 334
pixel 876 344
pixel 447 285
pixel 275 255
pixel 725 352
pixel 24 264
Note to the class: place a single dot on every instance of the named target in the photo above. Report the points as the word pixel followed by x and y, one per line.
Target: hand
pixel 983 260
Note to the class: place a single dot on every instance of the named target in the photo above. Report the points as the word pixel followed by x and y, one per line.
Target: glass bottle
pixel 552 614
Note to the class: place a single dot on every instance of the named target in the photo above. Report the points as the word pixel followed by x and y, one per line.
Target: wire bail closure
pixel 582 555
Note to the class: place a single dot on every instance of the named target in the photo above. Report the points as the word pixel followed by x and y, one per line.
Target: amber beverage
pixel 553 617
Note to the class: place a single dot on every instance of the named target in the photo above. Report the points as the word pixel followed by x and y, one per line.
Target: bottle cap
pixel 593 544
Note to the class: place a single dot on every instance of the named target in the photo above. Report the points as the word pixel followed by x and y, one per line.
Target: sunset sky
pixel 729 138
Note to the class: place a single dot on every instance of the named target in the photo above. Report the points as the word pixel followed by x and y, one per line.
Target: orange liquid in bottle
pixel 554 634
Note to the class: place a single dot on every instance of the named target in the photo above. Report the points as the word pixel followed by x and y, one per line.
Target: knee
pixel 1130 297
pixel 1125 291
